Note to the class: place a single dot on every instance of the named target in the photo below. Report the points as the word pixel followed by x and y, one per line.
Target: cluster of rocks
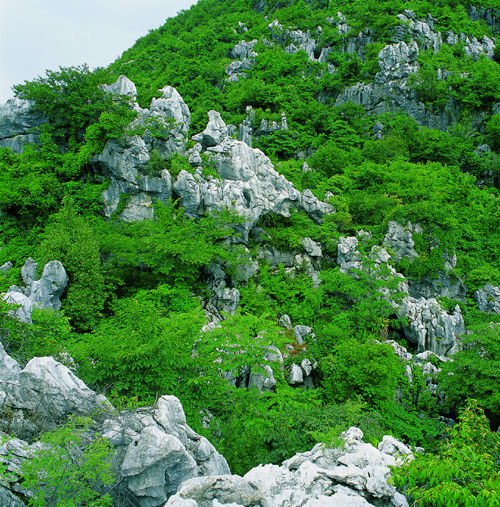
pixel 247 182
pixel 354 474
pixel 158 458
pixel 134 188
pixel 42 294
pixel 425 364
pixel 154 450
pixel 244 56
pixel 488 299
pixel 248 129
pixel 428 325
pixel 397 61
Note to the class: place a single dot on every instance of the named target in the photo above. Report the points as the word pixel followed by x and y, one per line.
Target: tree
pixel 70 239
pixel 463 472
pixel 72 468
pixel 72 98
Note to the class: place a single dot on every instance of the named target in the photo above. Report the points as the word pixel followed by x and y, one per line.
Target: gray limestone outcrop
pixel 490 16
pixel 488 299
pixel 43 294
pixel 397 61
pixel 41 395
pixel 244 55
pixel 428 325
pixel 154 450
pixel 18 124
pixel 248 184
pixel 122 87
pixel 391 91
pixel 355 474
pixel 134 185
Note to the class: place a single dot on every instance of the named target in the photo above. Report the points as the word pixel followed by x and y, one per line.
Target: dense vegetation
pixel 132 313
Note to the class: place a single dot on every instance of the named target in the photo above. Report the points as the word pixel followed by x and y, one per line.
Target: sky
pixel 36 35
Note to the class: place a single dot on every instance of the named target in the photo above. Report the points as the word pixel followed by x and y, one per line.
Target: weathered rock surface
pixel 154 449
pixel 18 123
pixel 429 326
pixel 248 184
pixel 125 161
pixel 488 299
pixel 397 61
pixel 354 475
pixel 43 293
pixel 41 395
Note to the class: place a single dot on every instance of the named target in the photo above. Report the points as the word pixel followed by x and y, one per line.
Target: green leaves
pixel 71 469
pixel 463 472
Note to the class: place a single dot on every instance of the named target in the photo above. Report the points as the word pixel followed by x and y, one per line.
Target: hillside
pixel 286 215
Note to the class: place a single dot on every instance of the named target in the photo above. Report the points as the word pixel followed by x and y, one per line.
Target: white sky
pixel 36 35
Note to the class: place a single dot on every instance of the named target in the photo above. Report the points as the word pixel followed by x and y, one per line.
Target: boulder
pixel 230 490
pixel 215 132
pixel 488 299
pixel 41 395
pixel 43 293
pixel 122 86
pixel 18 124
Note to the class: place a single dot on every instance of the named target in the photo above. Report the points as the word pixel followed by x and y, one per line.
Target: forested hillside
pixel 285 213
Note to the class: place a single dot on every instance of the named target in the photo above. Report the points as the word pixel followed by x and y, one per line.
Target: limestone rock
pixel 296 375
pixel 155 466
pixel 122 86
pixel 18 124
pixel 400 240
pixel 43 293
pixel 7 266
pixel 248 184
pixel 488 299
pixel 397 61
pixel 430 327
pixel 28 271
pixel 312 248
pixel 230 490
pixel 215 132
pixel 41 396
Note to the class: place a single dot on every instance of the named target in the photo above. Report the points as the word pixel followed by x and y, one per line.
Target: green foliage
pixel 72 469
pixel 49 334
pixel 71 98
pixel 370 370
pixel 141 351
pixel 463 471
pixel 70 239
pixel 475 369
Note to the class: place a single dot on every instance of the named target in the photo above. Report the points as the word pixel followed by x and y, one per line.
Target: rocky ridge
pixel 354 474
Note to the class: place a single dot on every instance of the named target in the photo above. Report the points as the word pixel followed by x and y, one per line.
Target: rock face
pixel 488 299
pixel 391 90
pixel 41 395
pixel 429 327
pixel 353 475
pixel 134 186
pixel 248 183
pixel 43 293
pixel 154 449
pixel 18 122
